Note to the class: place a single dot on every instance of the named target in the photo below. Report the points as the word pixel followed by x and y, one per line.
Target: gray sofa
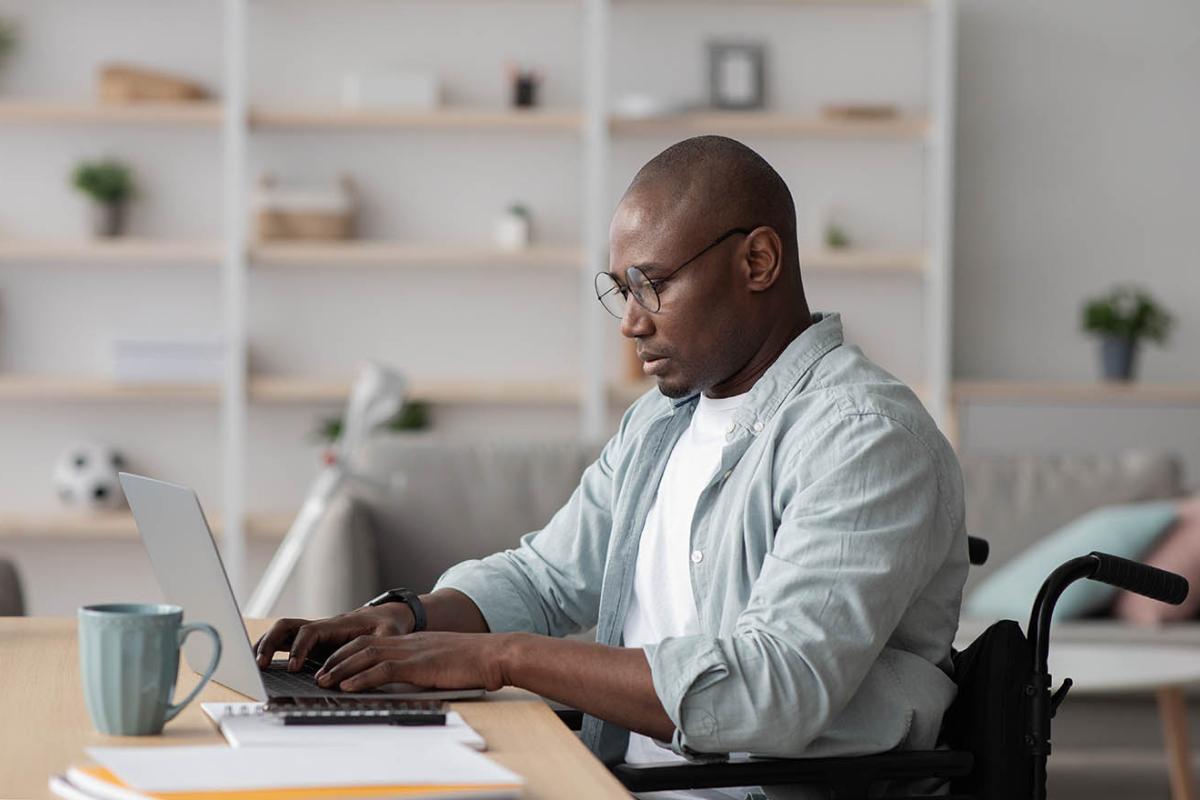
pixel 452 500
pixel 456 500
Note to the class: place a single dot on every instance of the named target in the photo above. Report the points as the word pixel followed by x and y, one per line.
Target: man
pixel 771 547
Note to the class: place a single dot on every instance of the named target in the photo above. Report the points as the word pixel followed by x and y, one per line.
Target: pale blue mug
pixel 129 659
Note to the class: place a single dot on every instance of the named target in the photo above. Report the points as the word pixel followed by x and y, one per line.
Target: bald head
pixel 704 265
pixel 723 184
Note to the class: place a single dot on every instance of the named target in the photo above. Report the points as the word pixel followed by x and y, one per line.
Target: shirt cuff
pixel 501 604
pixel 681 667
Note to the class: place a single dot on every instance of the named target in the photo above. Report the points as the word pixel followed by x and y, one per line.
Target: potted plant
pixel 413 416
pixel 8 39
pixel 1122 318
pixel 109 184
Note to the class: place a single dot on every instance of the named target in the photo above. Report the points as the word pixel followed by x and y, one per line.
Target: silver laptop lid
pixel 190 572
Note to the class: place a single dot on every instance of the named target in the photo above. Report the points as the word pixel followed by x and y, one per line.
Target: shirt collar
pixel 769 392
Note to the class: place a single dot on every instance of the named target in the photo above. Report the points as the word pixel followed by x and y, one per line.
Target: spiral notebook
pixel 245 725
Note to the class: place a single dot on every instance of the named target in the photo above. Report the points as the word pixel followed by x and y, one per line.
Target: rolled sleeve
pixel 861 532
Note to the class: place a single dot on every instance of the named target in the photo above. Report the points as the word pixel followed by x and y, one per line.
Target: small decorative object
pixel 124 83
pixel 383 89
pixel 737 76
pixel 412 416
pixel 860 111
pixel 177 360
pixel 109 184
pixel 836 237
pixel 514 229
pixel 85 477
pixel 639 105
pixel 1122 318
pixel 525 83
pixel 291 213
pixel 831 231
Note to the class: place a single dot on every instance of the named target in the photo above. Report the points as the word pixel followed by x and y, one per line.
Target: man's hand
pixel 430 659
pixel 319 637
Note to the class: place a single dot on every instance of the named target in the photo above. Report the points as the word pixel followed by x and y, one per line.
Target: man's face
pixel 689 344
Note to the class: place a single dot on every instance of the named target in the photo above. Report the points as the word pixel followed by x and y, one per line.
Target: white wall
pixel 1078 122
pixel 1077 167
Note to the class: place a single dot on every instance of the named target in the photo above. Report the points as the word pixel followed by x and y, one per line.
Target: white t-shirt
pixel 662 604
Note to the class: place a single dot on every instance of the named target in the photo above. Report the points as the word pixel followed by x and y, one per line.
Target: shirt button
pixel 732 427
pixel 758 426
pixel 697 556
pixel 728 472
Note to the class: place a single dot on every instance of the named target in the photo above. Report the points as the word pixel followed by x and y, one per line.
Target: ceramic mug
pixel 129 659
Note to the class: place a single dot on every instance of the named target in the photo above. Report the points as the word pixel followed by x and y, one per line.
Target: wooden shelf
pixel 107 525
pixel 66 112
pixel 727 3
pixel 301 390
pixel 864 261
pixel 762 123
pixel 400 254
pixel 124 250
pixel 445 119
pixel 1081 393
pixel 63 388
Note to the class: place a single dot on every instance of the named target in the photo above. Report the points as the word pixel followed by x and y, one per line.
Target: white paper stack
pixel 443 770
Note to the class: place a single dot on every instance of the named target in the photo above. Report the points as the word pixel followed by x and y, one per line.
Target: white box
pixel 388 89
pixel 168 360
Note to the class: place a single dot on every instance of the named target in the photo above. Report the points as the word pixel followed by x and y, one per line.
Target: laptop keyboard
pixel 281 683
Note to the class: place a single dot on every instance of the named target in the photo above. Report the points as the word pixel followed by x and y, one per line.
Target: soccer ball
pixel 85 477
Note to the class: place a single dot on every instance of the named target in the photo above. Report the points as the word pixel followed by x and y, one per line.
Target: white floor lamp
pixel 376 397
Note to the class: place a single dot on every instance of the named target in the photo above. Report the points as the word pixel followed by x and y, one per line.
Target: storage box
pixel 170 360
pixel 305 213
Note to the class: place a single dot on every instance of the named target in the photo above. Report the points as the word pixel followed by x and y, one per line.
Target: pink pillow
pixel 1178 551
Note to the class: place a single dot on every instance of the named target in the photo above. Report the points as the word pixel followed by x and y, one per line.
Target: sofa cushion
pixel 454 500
pixel 1127 531
pixel 1013 501
pixel 1178 552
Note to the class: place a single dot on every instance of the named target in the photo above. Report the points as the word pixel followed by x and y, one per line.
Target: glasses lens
pixel 642 289
pixel 609 294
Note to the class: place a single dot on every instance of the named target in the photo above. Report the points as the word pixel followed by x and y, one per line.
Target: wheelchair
pixel 995 737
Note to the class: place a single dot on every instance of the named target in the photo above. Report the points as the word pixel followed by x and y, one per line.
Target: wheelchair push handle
pixel 1143 579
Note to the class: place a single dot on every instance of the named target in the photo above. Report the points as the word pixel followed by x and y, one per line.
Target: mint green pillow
pixel 1128 531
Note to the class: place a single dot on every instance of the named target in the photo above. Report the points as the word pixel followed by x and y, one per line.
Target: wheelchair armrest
pixel 572 718
pixel 853 773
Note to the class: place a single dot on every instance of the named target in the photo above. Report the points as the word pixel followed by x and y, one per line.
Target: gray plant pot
pixel 108 219
pixel 1118 357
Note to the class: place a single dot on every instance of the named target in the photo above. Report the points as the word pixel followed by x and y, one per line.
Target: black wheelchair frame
pixel 960 764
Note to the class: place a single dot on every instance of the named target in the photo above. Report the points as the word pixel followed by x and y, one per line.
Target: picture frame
pixel 737 75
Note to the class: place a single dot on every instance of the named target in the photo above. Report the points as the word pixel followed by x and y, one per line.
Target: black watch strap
pixel 410 599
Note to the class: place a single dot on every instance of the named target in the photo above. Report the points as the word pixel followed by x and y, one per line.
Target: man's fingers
pixel 363 659
pixel 277 638
pixel 344 652
pixel 307 638
pixel 378 675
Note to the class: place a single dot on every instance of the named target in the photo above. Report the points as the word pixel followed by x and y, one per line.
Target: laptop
pixel 189 570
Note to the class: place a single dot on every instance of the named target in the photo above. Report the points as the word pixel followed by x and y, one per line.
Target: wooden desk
pixel 44 725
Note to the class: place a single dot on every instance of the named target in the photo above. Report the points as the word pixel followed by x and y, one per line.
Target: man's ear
pixel 764 258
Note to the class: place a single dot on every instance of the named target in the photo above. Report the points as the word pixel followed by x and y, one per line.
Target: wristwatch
pixel 409 598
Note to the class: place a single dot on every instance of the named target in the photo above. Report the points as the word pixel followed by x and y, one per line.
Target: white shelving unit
pixel 589 127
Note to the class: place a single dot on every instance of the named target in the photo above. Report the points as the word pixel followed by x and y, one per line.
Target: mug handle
pixel 184 630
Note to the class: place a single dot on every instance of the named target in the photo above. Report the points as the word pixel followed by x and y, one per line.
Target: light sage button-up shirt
pixel 828 560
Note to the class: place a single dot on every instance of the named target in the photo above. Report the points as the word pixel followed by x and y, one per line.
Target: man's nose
pixel 635 322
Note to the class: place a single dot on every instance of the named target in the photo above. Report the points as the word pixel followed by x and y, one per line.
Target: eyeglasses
pixel 613 296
